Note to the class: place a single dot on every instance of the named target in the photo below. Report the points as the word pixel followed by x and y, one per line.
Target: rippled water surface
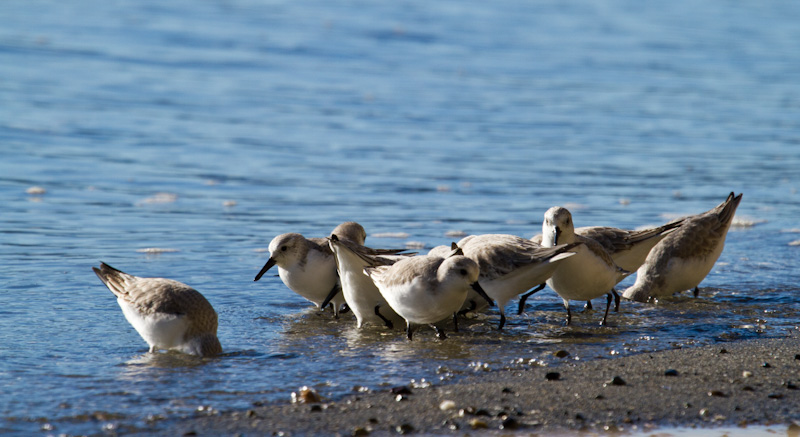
pixel 204 129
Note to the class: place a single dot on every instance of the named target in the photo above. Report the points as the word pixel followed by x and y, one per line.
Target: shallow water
pixel 205 129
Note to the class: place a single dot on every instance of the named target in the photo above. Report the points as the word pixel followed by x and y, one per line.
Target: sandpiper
pixel 167 314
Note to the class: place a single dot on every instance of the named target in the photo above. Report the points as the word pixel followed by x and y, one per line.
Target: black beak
pixel 477 287
pixel 558 234
pixel 267 266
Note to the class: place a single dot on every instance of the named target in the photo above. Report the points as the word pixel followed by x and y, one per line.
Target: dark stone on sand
pixel 671 372
pixel 615 381
pixel 316 408
pixel 717 393
pixel 401 390
pixel 509 423
pixel 552 376
pixel 766 365
pixel 561 354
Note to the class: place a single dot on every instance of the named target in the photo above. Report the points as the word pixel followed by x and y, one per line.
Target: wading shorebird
pixel 167 314
pixel 427 289
pixel 685 257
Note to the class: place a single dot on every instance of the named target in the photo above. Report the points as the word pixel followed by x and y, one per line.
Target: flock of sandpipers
pixel 385 286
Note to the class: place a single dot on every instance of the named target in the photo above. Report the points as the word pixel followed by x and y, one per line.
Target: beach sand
pixel 734 384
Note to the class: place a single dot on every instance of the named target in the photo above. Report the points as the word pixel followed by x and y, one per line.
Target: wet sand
pixel 729 384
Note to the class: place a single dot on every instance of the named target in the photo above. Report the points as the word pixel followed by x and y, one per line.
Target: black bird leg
pixel 569 315
pixel 525 297
pixel 609 298
pixel 472 306
pixel 439 332
pixel 408 330
pixel 455 322
pixel 696 291
pixel 502 321
pixel 588 306
pixel 616 300
pixel 388 322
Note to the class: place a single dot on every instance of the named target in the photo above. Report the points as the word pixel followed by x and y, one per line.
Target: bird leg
pixel 588 306
pixel 455 322
pixel 388 322
pixel 616 300
pixel 609 298
pixel 439 332
pixel 525 297
pixel 472 306
pixel 502 320
pixel 408 330
pixel 696 291
pixel 569 314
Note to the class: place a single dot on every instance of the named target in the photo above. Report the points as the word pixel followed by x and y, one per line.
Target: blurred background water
pixel 204 129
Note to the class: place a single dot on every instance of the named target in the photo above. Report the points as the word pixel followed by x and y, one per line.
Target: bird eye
pixel 464 272
pixel 283 248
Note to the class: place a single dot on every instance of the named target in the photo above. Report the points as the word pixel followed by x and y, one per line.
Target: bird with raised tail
pixel 307 265
pixel 628 248
pixel 510 265
pixel 685 257
pixel 427 289
pixel 589 274
pixel 167 314
pixel 360 293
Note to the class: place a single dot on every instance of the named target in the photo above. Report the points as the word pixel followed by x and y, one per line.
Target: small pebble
pixel 305 395
pixel 250 413
pixel 747 388
pixel 507 390
pixel 404 429
pixel 717 393
pixel 766 365
pixel 704 412
pixel 615 381
pixel 723 351
pixel 478 424
pixel 775 396
pixel 797 356
pixel 447 405
pixel 790 385
pixel 400 398
pixel 671 372
pixel 747 374
pixel 561 354
pixel 552 376
pixel 316 408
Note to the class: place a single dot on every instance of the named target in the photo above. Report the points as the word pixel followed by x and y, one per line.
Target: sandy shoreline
pixel 729 384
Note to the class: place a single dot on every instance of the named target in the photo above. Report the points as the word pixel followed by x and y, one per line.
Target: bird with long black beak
pixel 307 265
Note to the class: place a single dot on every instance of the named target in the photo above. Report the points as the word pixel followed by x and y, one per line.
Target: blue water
pixel 207 128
